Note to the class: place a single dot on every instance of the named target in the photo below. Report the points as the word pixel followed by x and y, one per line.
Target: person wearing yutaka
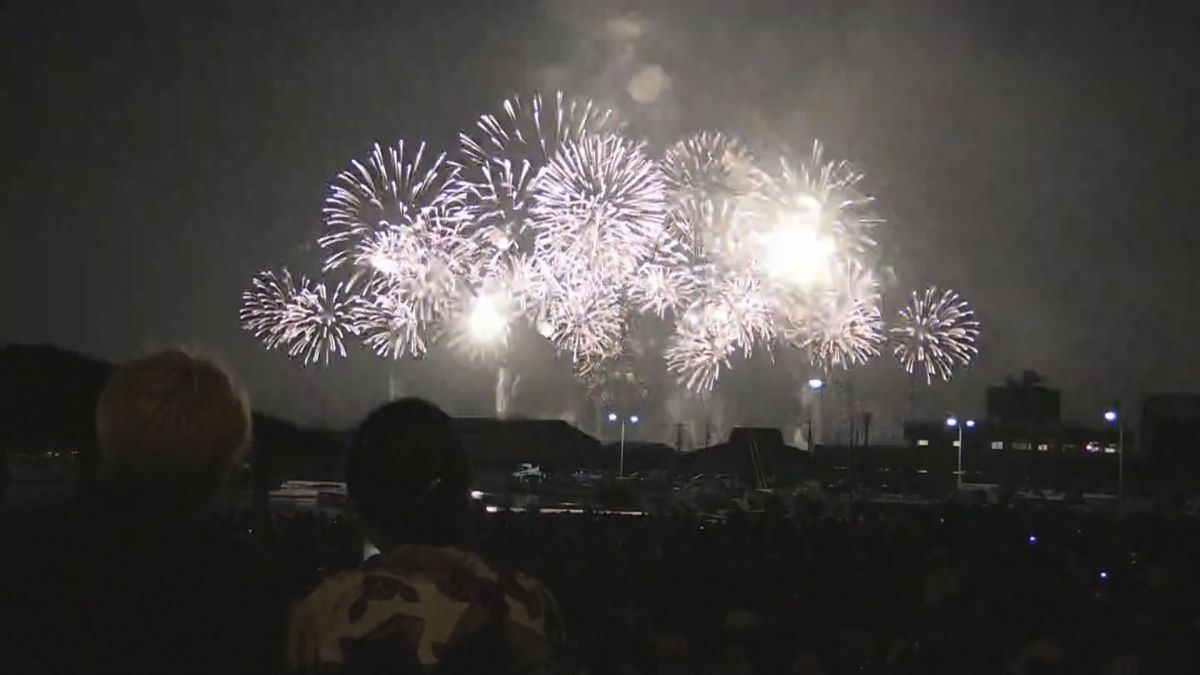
pixel 132 575
pixel 425 603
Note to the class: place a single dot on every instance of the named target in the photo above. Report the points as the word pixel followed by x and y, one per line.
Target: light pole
pixel 1113 417
pixel 633 419
pixel 952 421
pixel 815 384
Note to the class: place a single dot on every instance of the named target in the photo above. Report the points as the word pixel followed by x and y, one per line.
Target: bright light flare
pixel 795 253
pixel 485 321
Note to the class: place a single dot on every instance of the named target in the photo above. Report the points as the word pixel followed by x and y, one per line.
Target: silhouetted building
pixel 553 445
pixel 1024 405
pixel 1171 434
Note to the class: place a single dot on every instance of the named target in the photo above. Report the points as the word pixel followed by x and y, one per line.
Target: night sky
pixel 1032 157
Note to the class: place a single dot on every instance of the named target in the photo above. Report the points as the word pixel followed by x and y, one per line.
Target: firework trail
pixel 600 203
pixel 936 332
pixel 388 189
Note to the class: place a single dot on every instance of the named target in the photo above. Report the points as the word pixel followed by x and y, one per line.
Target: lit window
pixel 956 443
pixel 1093 446
pixel 922 441
pixel 997 445
pixel 1043 447
pixel 1110 450
pixel 1020 445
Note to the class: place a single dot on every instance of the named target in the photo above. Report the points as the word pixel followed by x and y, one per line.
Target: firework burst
pixel 935 333
pixel 301 317
pixel 502 155
pixel 389 324
pixel 266 307
pixel 583 317
pixel 389 189
pixel 427 262
pixel 825 199
pixel 599 202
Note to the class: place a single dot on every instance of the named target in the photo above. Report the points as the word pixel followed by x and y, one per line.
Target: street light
pixel 1112 417
pixel 815 384
pixel 633 419
pixel 952 421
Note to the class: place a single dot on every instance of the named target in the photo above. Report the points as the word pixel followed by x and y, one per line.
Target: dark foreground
pixel 913 591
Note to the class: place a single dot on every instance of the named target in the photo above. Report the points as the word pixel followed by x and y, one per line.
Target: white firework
pixel 823 197
pixel 266 307
pixel 583 316
pixel 319 322
pixel 935 333
pixel 599 203
pixel 500 158
pixel 389 189
pixel 390 326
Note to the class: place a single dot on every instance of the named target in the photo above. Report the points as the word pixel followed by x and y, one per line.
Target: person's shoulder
pixel 330 591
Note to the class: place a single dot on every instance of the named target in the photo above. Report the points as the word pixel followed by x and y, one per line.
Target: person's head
pixel 407 476
pixel 170 425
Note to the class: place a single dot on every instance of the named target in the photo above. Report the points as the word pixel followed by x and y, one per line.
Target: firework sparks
pixel 501 158
pixel 266 307
pixel 483 322
pixel 318 322
pixel 708 167
pixel 696 353
pixel 549 215
pixel 427 261
pixel 599 202
pixel 389 325
pixel 935 333
pixel 388 189
pixel 818 204
pixel 838 325
pixel 583 317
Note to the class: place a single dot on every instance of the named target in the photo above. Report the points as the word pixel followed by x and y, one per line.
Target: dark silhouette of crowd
pixel 134 576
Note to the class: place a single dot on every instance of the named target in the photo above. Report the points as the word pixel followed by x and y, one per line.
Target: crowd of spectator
pixel 933 590
pixel 138 574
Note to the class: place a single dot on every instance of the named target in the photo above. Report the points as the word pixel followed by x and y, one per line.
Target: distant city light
pixel 970 424
pixel 476 494
pixel 816 383
pixel 1104 576
pixel 633 419
pixel 612 417
pixel 1110 415
pixel 951 421
pixel 1033 540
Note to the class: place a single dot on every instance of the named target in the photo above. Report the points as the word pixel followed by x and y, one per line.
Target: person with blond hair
pixel 132 576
